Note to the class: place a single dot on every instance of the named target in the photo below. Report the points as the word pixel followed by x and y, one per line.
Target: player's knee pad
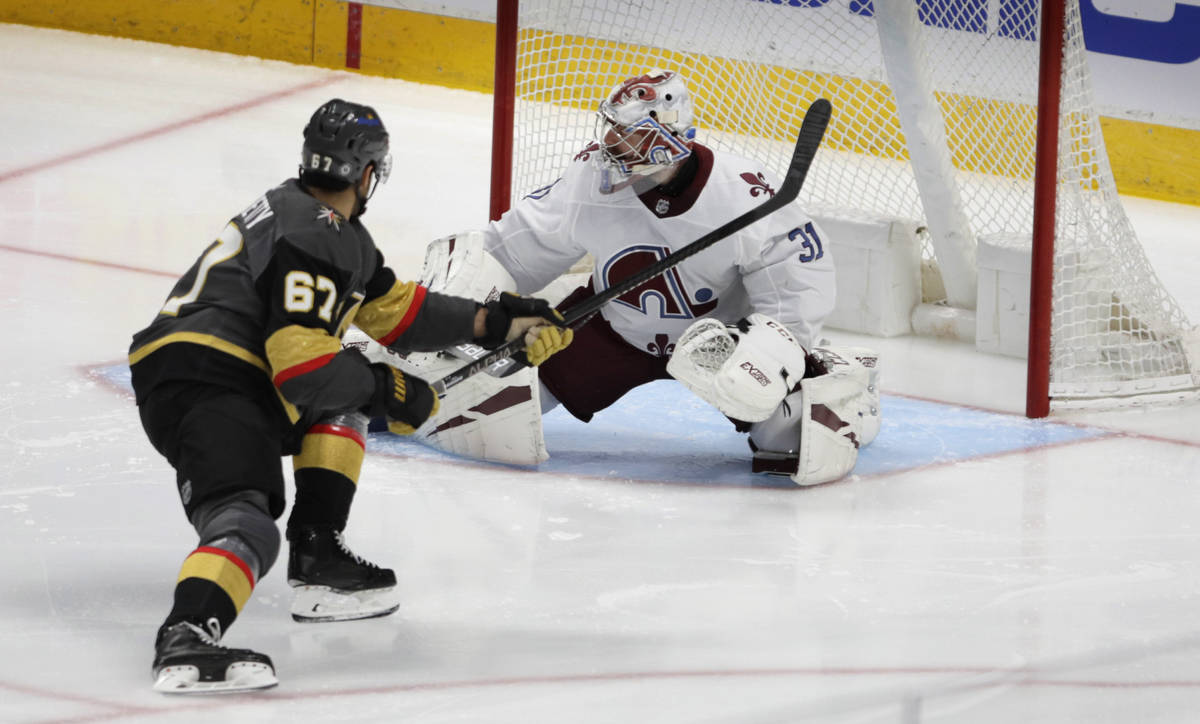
pixel 460 265
pixel 744 370
pixel 241 524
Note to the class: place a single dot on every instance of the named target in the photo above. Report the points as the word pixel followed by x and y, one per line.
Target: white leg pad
pixel 459 265
pixel 829 427
pixel 498 419
pixel 867 401
pixel 813 436
pixel 485 417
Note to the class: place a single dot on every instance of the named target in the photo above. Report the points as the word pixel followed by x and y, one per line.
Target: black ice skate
pixel 188 660
pixel 332 583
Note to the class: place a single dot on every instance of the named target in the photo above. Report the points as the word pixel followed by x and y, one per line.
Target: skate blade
pixel 240 676
pixel 316 604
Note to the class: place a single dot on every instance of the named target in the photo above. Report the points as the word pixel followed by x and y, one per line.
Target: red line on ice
pixel 161 130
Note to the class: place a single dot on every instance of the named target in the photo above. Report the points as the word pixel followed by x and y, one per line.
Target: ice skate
pixel 188 660
pixel 333 584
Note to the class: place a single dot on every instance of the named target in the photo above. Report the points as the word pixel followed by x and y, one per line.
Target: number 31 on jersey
pixel 810 244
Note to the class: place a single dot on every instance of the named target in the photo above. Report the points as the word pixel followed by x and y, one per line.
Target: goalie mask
pixel 340 141
pixel 645 124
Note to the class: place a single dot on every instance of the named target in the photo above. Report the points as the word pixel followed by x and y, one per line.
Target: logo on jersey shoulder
pixel 675 301
pixel 330 217
pixel 662 207
pixel 758 184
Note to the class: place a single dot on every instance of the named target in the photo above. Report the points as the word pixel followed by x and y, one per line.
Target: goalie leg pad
pixel 814 434
pixel 490 418
pixel 828 441
pixel 459 265
pixel 840 358
pixel 744 370
pixel 498 419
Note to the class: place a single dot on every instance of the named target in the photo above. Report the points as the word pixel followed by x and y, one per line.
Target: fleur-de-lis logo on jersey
pixel 758 184
pixel 330 217
pixel 660 346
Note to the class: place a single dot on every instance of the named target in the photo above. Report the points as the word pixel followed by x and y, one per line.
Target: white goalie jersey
pixel 763 292
pixel 779 266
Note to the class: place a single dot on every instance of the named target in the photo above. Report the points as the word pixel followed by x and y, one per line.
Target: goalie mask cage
pixel 972 118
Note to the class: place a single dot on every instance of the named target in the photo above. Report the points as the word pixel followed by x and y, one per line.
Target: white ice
pixel 978 568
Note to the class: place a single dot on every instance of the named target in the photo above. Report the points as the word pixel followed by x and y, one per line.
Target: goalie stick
pixel 807 141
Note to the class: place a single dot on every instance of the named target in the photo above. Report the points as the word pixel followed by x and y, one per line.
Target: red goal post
pixel 965 161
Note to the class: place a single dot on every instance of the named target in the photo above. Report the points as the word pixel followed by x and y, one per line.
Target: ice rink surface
pixel 978 567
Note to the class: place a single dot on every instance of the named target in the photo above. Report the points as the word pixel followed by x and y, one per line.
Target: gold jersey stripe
pixel 292 347
pixel 206 340
pixel 385 318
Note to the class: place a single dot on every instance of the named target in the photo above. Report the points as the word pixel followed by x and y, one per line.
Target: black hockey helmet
pixel 340 140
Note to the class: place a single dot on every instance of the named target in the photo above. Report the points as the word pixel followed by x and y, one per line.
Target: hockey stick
pixel 807 142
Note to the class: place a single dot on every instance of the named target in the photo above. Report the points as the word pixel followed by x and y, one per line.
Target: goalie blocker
pixel 808 413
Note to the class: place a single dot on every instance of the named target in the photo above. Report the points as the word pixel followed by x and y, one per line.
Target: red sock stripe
pixel 231 558
pixel 339 430
pixel 409 316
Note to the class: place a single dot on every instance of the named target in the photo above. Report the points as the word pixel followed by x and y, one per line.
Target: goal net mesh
pixel 972 65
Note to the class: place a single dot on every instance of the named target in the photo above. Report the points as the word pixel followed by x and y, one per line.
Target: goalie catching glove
pixel 406 401
pixel 512 315
pixel 810 412
pixel 743 370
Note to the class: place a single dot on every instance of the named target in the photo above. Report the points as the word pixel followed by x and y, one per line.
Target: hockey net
pixel 935 117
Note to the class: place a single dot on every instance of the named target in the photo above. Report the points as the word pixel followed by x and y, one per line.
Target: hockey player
pixel 243 363
pixel 736 323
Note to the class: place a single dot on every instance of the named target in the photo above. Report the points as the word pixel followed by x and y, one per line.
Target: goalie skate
pixel 333 584
pixel 188 660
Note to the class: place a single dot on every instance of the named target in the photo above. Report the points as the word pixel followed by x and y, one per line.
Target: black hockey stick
pixel 807 142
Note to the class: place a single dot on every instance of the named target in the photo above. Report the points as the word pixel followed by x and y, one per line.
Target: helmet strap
pixel 362 199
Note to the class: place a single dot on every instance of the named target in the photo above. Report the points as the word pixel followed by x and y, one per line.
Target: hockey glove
pixel 512 315
pixel 544 340
pixel 405 401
